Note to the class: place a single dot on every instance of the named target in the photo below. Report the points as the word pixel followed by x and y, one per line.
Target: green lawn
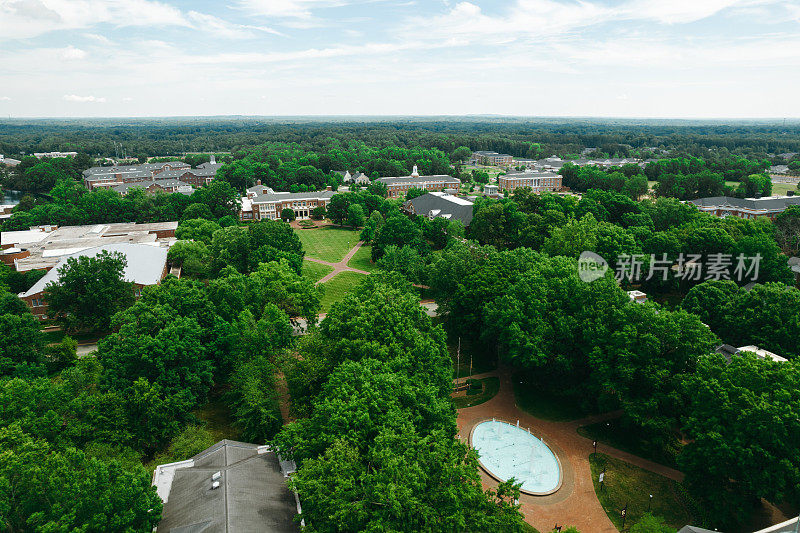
pixel 626 484
pixel 362 260
pixel 615 434
pixel 536 401
pixel 315 271
pixel 338 287
pixel 491 386
pixel 783 188
pixel 328 243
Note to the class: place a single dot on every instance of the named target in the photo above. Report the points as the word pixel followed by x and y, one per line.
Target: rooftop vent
pixel 215 485
pixel 216 475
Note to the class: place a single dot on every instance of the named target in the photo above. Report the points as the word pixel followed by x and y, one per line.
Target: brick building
pixel 724 206
pixel 146 265
pixel 486 157
pixel 536 181
pixel 262 203
pixel 399 186
pixel 97 177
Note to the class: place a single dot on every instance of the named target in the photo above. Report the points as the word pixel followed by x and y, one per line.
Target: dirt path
pixel 341 266
pixel 282 388
pixel 575 503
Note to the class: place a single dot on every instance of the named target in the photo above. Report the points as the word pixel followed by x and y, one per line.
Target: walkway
pixel 341 266
pixel 575 504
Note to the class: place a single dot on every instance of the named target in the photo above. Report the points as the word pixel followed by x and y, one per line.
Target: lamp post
pixel 594 443
pixel 624 514
pixel 649 503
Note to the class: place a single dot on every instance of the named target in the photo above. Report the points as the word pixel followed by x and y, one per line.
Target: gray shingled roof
pixel 283 196
pixel 436 204
pixel 252 494
pixel 769 203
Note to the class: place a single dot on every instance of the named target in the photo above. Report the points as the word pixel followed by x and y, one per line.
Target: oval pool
pixel 506 451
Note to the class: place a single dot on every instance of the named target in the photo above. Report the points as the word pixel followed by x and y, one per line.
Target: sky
pixel 603 58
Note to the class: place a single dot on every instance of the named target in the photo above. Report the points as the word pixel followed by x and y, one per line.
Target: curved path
pixel 575 504
pixel 341 266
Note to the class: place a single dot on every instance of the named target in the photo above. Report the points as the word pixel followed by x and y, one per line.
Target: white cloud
pixel 225 29
pixel 288 8
pixel 28 18
pixel 71 52
pixel 83 99
pixel 5 98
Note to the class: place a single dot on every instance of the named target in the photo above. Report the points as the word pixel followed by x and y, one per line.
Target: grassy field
pixel 626 484
pixel 328 243
pixel 362 260
pixel 491 386
pixel 783 188
pixel 338 287
pixel 315 271
pixel 614 434
pixel 531 398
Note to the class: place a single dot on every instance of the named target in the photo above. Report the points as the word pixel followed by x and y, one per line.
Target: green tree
pixel 194 258
pixel 414 192
pixel 89 291
pixel 197 229
pixel 398 230
pixel 287 214
pixel 220 197
pixel 355 216
pixel 405 260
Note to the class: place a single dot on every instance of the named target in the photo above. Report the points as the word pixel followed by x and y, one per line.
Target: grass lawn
pixel 362 260
pixel 616 435
pixel 338 287
pixel 315 271
pixel 328 243
pixel 626 484
pixel 491 386
pixel 541 403
pixel 783 188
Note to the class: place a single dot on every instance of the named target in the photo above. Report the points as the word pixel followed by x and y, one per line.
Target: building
pixel 40 155
pixel 97 177
pixel 724 206
pixel 536 181
pixel 399 186
pixel 42 247
pixel 268 204
pixel 440 205
pixel 729 351
pixel 231 487
pixel 166 185
pixel 359 178
pixel 147 265
pixel 10 162
pixel 486 157
pixel 637 296
pixel 491 191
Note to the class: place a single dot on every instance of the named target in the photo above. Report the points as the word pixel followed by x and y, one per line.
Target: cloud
pixel 71 52
pixel 21 19
pixel 5 98
pixel 83 99
pixel 288 8
pixel 225 29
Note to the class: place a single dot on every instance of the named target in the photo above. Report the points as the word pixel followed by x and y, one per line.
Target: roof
pixel 252 493
pixel 145 264
pixel 694 529
pixel 419 179
pixel 526 175
pixel 284 196
pixel 164 184
pixel 789 526
pixel 771 203
pixel 441 205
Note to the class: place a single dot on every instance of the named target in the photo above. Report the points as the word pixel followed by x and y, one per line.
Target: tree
pixel 355 216
pixel 287 214
pixel 45 489
pixel 651 524
pixel 398 230
pixel 414 192
pixel 787 230
pixel 197 229
pixel 21 352
pixel 461 154
pixel 405 260
pixel 220 197
pixel 319 212
pixel 192 257
pixel 89 291
pixel 371 227
pixel 197 211
pixel 742 420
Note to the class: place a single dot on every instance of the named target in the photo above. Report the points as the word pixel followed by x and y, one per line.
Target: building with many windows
pixel 536 181
pixel 269 204
pixel 486 157
pixel 98 177
pixel 399 186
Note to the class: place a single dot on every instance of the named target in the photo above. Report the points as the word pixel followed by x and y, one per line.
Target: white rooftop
pixel 145 264
pixel 451 198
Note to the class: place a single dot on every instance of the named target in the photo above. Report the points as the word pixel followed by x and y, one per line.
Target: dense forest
pixel 519 137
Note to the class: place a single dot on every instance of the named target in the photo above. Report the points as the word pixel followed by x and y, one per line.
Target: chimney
pixel 328 188
pixel 258 182
pixel 213 159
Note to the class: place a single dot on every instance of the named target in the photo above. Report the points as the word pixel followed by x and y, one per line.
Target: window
pixel 36 302
pixel 138 292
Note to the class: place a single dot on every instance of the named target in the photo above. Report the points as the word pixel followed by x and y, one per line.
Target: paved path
pixel 575 503
pixel 341 266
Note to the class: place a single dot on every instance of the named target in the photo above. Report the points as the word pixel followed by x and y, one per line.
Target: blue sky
pixel 622 58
